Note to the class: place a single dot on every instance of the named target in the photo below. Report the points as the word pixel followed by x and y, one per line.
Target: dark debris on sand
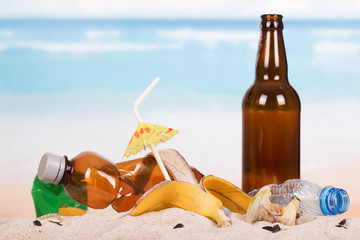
pixel 179 225
pixel 341 224
pixel 37 223
pixel 273 229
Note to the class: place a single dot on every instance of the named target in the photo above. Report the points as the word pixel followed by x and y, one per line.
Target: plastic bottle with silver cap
pixel 88 178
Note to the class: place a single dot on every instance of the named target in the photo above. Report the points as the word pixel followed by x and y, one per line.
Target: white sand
pixel 159 225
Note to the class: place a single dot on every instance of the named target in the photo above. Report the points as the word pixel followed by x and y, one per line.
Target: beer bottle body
pixel 271 115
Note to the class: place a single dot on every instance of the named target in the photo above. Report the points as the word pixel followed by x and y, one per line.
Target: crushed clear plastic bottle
pixel 313 199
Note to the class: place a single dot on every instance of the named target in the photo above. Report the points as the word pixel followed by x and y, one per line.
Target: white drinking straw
pixel 137 115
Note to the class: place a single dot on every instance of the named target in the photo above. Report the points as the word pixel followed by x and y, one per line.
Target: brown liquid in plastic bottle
pixel 94 181
pixel 145 173
pixel 91 180
pixel 271 115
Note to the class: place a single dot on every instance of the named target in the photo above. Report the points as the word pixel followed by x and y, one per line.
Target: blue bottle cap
pixel 334 201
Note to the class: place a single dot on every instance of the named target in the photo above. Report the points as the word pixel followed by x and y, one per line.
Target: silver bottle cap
pixel 51 168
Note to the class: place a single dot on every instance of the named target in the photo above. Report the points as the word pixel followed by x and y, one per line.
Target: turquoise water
pixel 204 56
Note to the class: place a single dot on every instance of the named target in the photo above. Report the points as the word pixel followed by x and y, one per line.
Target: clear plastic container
pixel 313 199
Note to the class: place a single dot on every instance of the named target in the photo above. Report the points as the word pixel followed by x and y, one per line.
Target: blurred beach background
pixel 70 72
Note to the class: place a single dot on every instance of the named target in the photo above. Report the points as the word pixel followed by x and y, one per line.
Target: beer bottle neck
pixel 271 59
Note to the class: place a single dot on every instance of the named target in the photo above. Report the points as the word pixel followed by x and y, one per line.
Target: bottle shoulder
pixel 271 95
pixel 86 164
pixel 91 159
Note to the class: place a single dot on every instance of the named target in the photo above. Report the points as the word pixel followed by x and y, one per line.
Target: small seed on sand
pixel 37 223
pixel 273 229
pixel 179 225
pixel 276 228
pixel 269 228
pixel 341 224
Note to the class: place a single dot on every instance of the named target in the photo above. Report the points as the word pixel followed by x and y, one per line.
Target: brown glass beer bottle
pixel 271 115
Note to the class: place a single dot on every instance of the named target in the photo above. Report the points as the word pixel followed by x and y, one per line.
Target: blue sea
pixel 67 86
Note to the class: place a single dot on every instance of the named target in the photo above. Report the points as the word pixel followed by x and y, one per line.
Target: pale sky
pixel 175 9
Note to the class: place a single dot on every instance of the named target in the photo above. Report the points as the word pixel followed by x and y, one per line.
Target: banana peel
pixel 207 199
pixel 181 195
pixel 210 196
pixel 231 196
pixel 261 209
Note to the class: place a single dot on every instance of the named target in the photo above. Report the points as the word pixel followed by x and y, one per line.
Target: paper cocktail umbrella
pixel 149 135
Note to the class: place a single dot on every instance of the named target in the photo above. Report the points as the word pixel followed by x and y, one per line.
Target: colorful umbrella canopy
pixel 147 133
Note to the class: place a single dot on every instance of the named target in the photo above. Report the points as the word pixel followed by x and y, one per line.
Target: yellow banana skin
pixel 181 195
pixel 231 196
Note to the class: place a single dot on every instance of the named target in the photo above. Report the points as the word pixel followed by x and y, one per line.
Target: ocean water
pixel 67 86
